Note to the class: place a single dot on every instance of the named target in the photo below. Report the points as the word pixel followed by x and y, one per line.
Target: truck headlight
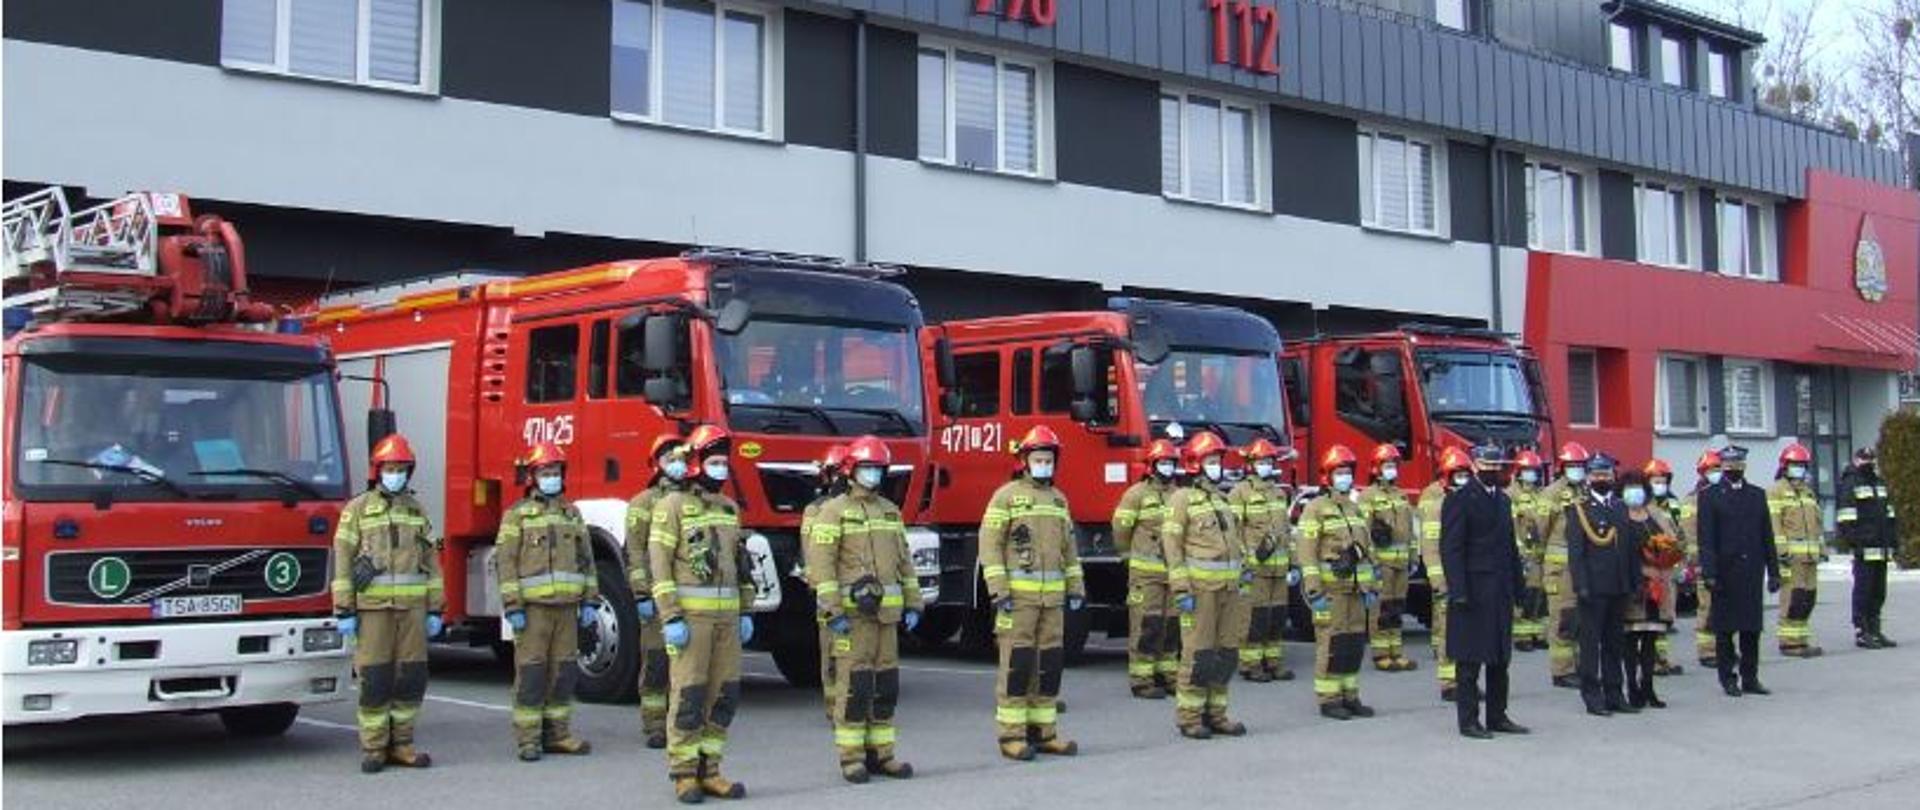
pixel 321 639
pixel 926 561
pixel 53 652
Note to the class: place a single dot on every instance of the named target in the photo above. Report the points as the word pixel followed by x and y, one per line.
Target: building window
pixel 1583 388
pixel 980 110
pixel 1673 62
pixel 1719 75
pixel 976 378
pixel 692 63
pixel 1400 183
pixel 1209 150
pixel 379 43
pixel 1620 48
pixel 1749 394
pixel 1682 387
pixel 1746 240
pixel 553 359
pixel 1452 14
pixel 1557 218
pixel 1022 382
pixel 1662 224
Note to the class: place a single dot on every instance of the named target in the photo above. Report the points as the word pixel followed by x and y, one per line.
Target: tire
pixel 938 624
pixel 798 662
pixel 269 720
pixel 1075 628
pixel 610 649
pixel 502 651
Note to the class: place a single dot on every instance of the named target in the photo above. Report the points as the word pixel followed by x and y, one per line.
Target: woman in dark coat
pixel 1649 614
pixel 1736 560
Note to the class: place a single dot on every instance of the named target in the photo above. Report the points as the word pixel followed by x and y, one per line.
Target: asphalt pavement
pixel 1838 731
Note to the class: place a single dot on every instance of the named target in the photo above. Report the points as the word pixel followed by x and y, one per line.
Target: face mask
pixel 1212 470
pixel 1529 477
pixel 1866 469
pixel 1736 476
pixel 1634 496
pixel 1390 472
pixel 1660 489
pixel 393 481
pixel 1491 478
pixel 1714 476
pixel 1601 487
pixel 1796 472
pixel 1342 481
pixel 1576 474
pixel 869 477
pixel 550 485
pixel 716 469
pixel 1264 469
pixel 1461 480
pixel 675 470
pixel 1040 470
pixel 1164 469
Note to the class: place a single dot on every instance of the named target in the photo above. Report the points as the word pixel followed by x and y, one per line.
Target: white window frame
pixel 1614 30
pixel 1592 357
pixel 1370 185
pixel 1677 64
pixel 1042 113
pixel 1769 269
pixel 771 89
pixel 1257 147
pixel 1663 421
pixel 428 56
pixel 1689 220
pixel 1720 74
pixel 1453 14
pixel 1588 226
pixel 1765 428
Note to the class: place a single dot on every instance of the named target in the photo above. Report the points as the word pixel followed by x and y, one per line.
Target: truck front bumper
pixel 53 675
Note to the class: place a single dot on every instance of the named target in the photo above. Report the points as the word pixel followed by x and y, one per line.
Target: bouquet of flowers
pixel 1662 551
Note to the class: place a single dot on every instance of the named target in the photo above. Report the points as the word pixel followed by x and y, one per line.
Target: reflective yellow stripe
pixel 1847 515
pixel 664 588
pixel 882 734
pixel 1037 510
pixel 1151 565
pixel 1010 715
pixel 850 736
pixel 1029 586
pixel 1043 715
pixel 992 571
pixel 1557 556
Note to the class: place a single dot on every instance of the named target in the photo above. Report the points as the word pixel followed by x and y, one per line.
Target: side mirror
pixel 949 403
pixel 1086 370
pixel 943 371
pixel 1383 364
pixel 665 392
pixel 664 335
pixel 1082 409
pixel 1151 347
pixel 381 423
pixel 733 316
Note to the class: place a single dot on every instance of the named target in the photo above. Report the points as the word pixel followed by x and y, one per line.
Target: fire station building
pixel 1596 177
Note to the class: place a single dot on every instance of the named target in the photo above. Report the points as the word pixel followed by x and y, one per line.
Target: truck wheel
pixel 270 720
pixel 1074 630
pixel 798 662
pixel 610 647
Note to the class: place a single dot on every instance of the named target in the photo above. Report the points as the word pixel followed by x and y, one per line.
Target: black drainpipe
pixel 860 136
pixel 1496 202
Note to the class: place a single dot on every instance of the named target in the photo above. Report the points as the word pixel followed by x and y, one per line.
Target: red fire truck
pixel 1107 382
pixel 792 354
pixel 172 473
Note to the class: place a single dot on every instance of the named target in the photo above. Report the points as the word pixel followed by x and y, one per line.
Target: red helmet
pixel 1796 453
pixel 707 440
pixel 1453 460
pixel 1657 468
pixel 392 450
pixel 1259 449
pixel 833 462
pixel 1574 453
pixel 1337 456
pixel 1162 450
pixel 1527 460
pixel 1708 460
pixel 542 454
pixel 1384 453
pixel 1040 437
pixel 1203 444
pixel 663 444
pixel 867 450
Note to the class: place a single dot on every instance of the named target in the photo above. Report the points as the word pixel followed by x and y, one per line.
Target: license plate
pixel 181 607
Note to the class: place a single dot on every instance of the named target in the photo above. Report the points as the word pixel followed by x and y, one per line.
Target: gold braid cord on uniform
pixel 1598 538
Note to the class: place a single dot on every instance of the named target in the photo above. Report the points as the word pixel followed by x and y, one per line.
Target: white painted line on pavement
pixel 951 670
pixel 471 704
pixel 325 724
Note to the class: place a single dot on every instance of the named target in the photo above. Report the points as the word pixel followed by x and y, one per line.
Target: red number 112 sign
pixel 1255 29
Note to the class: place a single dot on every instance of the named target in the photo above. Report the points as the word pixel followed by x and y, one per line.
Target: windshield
pixel 1474 383
pixel 1201 388
pixel 141 428
pixel 794 376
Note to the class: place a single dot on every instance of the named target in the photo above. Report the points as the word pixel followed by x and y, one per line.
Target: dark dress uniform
pixel 1866 525
pixel 1484 577
pixel 1736 560
pixel 1604 560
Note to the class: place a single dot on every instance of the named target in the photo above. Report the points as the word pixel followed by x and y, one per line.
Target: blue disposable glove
pixel 1371 599
pixel 1185 603
pixel 1076 602
pixel 746 628
pixel 676 634
pixel 350 627
pixel 1004 604
pixel 911 619
pixel 840 626
pixel 435 625
pixel 589 613
pixel 647 609
pixel 1293 577
pixel 517 619
pixel 1319 604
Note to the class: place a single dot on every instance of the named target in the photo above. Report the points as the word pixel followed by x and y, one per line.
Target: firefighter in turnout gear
pixel 670 474
pixel 1207 566
pixel 1033 575
pixel 1865 522
pixel 1798 534
pixel 544 558
pixel 1390 519
pixel 1336 572
pixel 1261 504
pixel 862 576
pixel 701 579
pixel 1530 609
pixel 1660 496
pixel 1709 474
pixel 831 484
pixel 1563 640
pixel 1153 651
pixel 387 594
pixel 1456 471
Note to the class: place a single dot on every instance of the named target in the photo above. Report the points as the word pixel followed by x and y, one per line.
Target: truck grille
pixel 185 572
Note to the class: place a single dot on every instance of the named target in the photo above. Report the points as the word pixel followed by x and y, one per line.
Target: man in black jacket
pixel 1736 553
pixel 1605 563
pixel 1484 576
pixel 1864 517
